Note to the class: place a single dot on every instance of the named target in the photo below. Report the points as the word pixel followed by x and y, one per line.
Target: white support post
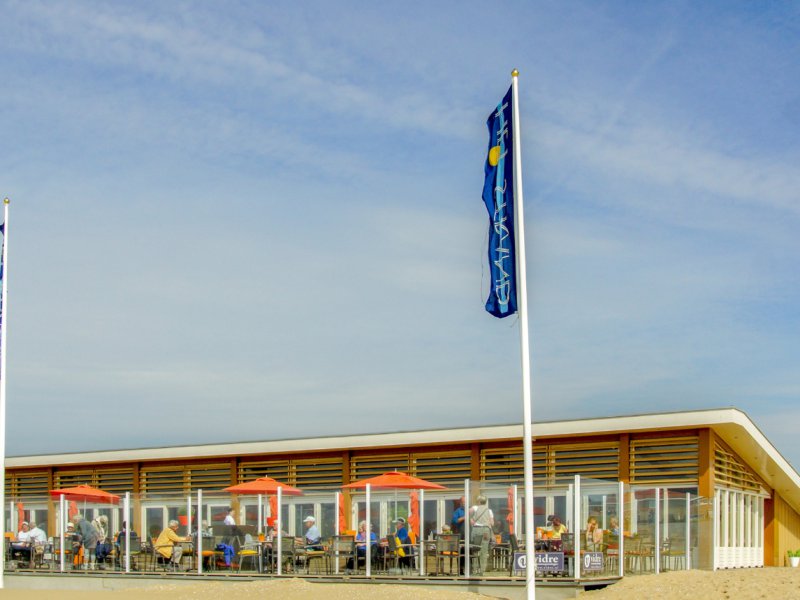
pixel 467 549
pixel 62 517
pixel 688 532
pixel 576 527
pixel 656 536
pixel 368 553
pixel 621 512
pixel 279 521
pixel 716 530
pixel 126 516
pixel 422 533
pixel 189 514
pixel 336 533
pixel 200 532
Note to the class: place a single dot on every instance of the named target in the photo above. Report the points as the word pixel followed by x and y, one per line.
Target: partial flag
pixel 498 196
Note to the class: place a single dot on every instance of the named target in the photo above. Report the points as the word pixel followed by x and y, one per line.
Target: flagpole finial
pixel 515 73
pixel 6 201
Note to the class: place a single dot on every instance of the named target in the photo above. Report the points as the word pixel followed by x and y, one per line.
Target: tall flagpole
pixel 525 352
pixel 3 329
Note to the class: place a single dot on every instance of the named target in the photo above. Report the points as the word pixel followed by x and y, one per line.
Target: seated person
pixel 614 526
pixel 166 543
pixel 558 528
pixel 406 544
pixel 361 545
pixel 312 538
pixel 21 546
pixel 594 535
pixel 74 541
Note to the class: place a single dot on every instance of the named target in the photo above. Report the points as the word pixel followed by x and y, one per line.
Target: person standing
pixel 89 536
pixel 229 520
pixel 457 521
pixel 481 522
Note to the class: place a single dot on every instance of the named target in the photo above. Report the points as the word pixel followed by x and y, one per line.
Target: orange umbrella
pixel 413 515
pixel 86 493
pixel 263 485
pixel 396 480
pixel 342 515
pixel 511 508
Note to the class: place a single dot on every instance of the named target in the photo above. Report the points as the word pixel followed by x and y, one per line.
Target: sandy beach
pixel 740 584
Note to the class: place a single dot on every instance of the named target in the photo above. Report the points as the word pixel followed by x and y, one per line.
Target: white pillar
pixel 280 530
pixel 656 536
pixel 621 515
pixel 422 532
pixel 336 533
pixel 688 532
pixel 368 557
pixel 62 517
pixel 466 529
pixel 199 548
pixel 576 526
pixel 126 516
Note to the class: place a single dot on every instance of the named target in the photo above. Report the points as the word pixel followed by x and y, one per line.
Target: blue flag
pixel 498 196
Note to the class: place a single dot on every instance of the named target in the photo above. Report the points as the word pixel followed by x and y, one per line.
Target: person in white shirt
pixel 229 520
pixel 37 535
pixel 21 547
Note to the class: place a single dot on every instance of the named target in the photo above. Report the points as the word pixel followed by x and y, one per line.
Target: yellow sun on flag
pixel 494 155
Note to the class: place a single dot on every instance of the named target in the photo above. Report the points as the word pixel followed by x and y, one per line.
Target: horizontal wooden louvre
pixel 322 472
pixel 22 485
pixel 178 481
pixel 731 472
pixel 277 469
pixel 595 461
pixel 161 481
pixel 442 467
pixel 557 463
pixel 209 477
pixel 115 481
pixel 664 460
pixel 308 472
pixel 112 480
pixel 65 479
pixel 362 467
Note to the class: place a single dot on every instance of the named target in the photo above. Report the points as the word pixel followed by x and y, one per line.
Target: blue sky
pixel 255 220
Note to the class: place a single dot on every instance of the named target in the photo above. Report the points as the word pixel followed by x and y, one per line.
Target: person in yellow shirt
pixel 165 544
pixel 558 528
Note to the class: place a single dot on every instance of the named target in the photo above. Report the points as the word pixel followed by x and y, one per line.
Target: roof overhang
pixel 730 424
